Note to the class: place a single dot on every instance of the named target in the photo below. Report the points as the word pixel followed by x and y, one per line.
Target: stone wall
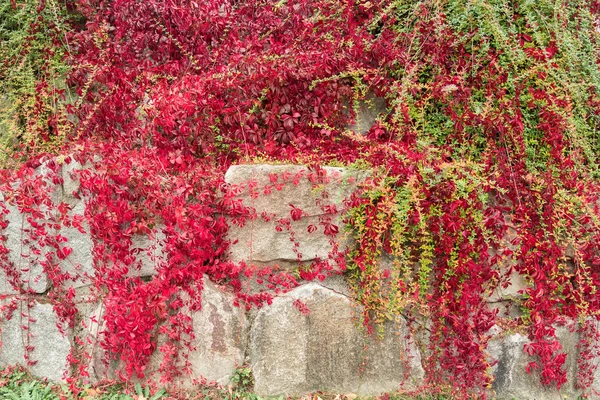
pixel 307 339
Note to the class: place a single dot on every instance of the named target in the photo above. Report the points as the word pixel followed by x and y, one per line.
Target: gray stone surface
pixel 513 288
pixel 512 284
pixel 509 292
pixel 294 353
pixel 48 171
pixel 25 255
pixel 510 377
pixel 21 256
pixel 219 345
pixel 516 285
pixel 337 283
pixel 221 336
pixel 259 240
pixel 50 347
pixel 71 185
pixel 593 392
pixel 367 111
pixel 80 262
pixel 149 253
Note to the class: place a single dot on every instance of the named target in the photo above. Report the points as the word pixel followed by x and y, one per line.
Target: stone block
pixel 220 336
pixel 592 344
pixel 49 348
pixel 260 240
pixel 510 377
pixel 295 353
pixel 218 347
pixel 149 253
pixel 80 263
pixel 367 112
pixel 23 262
pixel 25 256
pixel 71 184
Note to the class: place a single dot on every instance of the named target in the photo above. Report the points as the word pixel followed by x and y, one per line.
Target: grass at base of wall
pixel 17 384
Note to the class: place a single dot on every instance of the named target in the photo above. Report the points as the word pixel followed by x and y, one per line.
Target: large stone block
pixel 510 377
pixel 80 263
pixel 149 252
pixel 23 264
pixel 272 190
pixel 367 112
pixel 591 363
pixel 220 336
pixel 218 347
pixel 295 353
pixel 26 254
pixel 48 347
pixel 26 237
pixel 69 174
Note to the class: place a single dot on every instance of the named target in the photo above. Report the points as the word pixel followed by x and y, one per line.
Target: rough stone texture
pixel 510 377
pixel 295 354
pixel 516 284
pixel 366 115
pixel 80 262
pixel 512 284
pixel 508 294
pixel 70 186
pixel 88 330
pixel 258 240
pixel 22 255
pixel 338 284
pixel 593 392
pixel 50 346
pixel 218 348
pixel 149 253
pixel 221 336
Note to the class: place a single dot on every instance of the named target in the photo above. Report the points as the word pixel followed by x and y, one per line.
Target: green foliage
pixel 33 50
pixel 140 393
pixel 242 379
pixel 28 391
pixel 20 386
pixel 395 221
pixel 516 50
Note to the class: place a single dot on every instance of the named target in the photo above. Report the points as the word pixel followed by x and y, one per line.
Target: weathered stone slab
pixel 593 363
pixel 220 336
pixel 509 291
pixel 80 263
pixel 21 256
pixel 367 112
pixel 510 377
pixel 272 190
pixel 27 253
pixel 149 253
pixel 71 184
pixel 49 347
pixel 218 347
pixel 294 353
pixel 89 334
